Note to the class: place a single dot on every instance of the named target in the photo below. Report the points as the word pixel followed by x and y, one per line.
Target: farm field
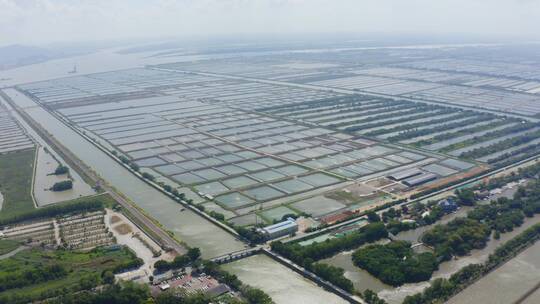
pixel 16 178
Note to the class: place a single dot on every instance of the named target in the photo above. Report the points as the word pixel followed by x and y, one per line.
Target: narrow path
pixel 57 233
pixel 13 252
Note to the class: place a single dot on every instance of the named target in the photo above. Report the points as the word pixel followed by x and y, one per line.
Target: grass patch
pixel 16 177
pixel 7 246
pixel 82 270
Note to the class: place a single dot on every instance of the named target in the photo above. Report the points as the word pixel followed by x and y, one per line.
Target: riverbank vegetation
pixel 306 256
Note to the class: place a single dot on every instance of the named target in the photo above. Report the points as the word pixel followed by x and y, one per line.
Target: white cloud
pixel 40 21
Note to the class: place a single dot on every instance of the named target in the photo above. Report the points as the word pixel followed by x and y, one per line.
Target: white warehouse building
pixel 280 229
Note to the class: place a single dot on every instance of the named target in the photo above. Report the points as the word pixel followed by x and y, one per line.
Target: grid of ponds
pixel 140 83
pixel 267 68
pixel 12 136
pixel 498 100
pixel 183 131
pixel 432 127
pixel 422 73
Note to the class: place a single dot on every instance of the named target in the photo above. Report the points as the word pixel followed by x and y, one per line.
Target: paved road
pixel 165 239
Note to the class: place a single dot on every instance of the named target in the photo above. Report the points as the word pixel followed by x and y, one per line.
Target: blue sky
pixel 42 21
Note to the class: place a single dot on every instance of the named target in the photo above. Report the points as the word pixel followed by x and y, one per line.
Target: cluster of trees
pixel 90 205
pixel 332 274
pixel 457 237
pixel 504 214
pixel 466 197
pixel 250 234
pixel 61 169
pixel 180 261
pixel 370 297
pixel 134 263
pixel 38 274
pixel 442 289
pixel 62 186
pixel 395 263
pixel 148 176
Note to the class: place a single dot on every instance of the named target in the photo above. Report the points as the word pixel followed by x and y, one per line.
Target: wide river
pixel 187 226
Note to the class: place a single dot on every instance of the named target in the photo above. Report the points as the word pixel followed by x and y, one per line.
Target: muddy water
pixel 361 279
pixel 283 285
pixel 188 226
pixel 507 283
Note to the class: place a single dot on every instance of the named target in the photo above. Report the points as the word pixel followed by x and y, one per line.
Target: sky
pixel 38 22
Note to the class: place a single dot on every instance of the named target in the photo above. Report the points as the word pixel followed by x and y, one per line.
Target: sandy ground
pixel 120 226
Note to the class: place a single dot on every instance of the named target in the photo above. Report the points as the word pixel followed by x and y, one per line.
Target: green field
pixel 16 177
pixel 7 246
pixel 80 271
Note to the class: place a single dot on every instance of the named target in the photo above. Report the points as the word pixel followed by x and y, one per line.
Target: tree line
pixel 92 204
